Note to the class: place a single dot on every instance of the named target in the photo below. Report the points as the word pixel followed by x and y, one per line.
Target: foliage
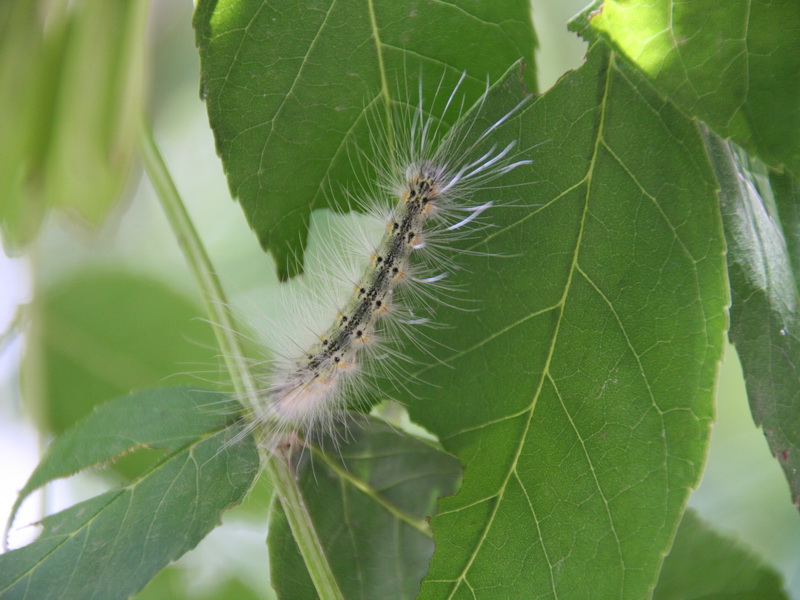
pixel 111 545
pixel 382 487
pixel 68 149
pixel 285 132
pixel 578 397
pixel 705 564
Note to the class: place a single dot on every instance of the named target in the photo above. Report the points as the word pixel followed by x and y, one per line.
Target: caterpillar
pixel 426 181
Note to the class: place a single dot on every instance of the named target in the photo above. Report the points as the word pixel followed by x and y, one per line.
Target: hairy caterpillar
pixel 423 198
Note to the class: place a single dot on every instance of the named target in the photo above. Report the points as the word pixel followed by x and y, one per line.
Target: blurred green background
pixel 115 307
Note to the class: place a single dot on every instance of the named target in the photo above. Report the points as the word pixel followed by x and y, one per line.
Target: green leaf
pixel 734 65
pixel 71 80
pixel 369 495
pixel 112 545
pixel 765 326
pixel 161 418
pixel 90 146
pixel 292 86
pixel 29 64
pixel 579 395
pixel 100 334
pixel 706 565
pixel 786 190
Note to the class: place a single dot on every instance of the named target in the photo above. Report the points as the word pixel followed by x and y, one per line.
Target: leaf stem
pixel 199 263
pixel 222 322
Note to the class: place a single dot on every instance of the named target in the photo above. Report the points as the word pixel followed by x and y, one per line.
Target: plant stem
pixel 277 465
pixel 199 263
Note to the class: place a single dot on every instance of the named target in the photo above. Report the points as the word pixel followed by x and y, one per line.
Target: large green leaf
pixel 579 396
pixel 734 65
pixel 291 86
pixel 369 495
pixel 705 565
pixel 765 321
pixel 112 545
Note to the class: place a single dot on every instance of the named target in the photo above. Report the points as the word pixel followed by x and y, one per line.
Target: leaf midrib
pixel 419 525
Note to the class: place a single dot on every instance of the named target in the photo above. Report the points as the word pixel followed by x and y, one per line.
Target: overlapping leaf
pixel 290 88
pixel 111 545
pixel 369 497
pixel 765 322
pixel 734 65
pixel 704 564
